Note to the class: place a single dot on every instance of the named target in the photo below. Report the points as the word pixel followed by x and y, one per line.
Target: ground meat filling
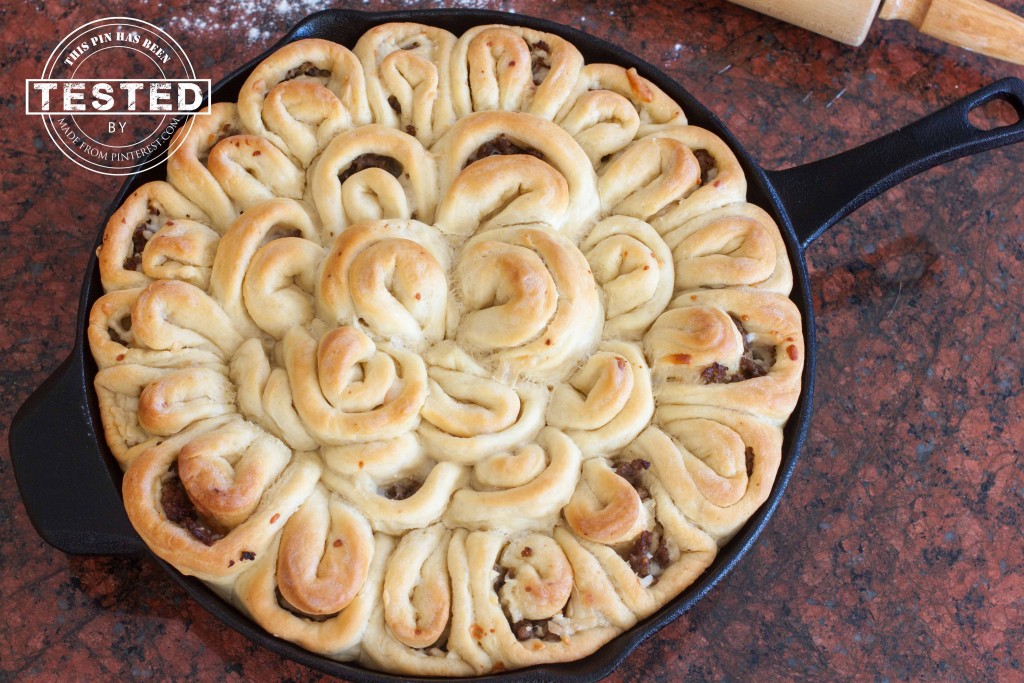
pixel 749 456
pixel 401 489
pixel 306 69
pixel 540 63
pixel 534 628
pixel 140 237
pixel 411 130
pixel 640 555
pixel 500 145
pixel 716 373
pixel 707 165
pixel 504 574
pixel 365 161
pixel 631 471
pixel 756 361
pixel 412 46
pixel 395 104
pixel 661 555
pixel 285 605
pixel 180 510
pixel 743 332
pixel 524 629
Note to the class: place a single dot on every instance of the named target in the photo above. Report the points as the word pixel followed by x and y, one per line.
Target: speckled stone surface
pixel 897 551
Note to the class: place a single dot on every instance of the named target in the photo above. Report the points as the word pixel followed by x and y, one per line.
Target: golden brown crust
pixel 605 507
pixel 725 184
pixel 305 116
pixel 644 179
pixel 174 401
pixel 633 267
pixel 717 464
pixel 396 180
pixel 338 406
pixel 117 390
pixel 504 191
pixel 390 278
pixel 607 402
pixel 407 633
pixel 482 633
pixel 339 634
pixel 689 552
pixel 170 315
pixel 251 170
pixel 523 502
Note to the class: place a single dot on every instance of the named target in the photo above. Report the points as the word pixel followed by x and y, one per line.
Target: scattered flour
pixel 255 20
pixel 263 20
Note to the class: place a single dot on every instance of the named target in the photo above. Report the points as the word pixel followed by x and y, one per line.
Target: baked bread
pixel 447 355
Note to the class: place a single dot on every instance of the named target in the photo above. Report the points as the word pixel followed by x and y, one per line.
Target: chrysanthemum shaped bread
pixel 735 245
pixel 717 464
pixel 256 228
pixel 415 611
pixel 449 355
pixel 498 187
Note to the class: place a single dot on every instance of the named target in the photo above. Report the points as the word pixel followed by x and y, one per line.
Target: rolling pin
pixel 975 25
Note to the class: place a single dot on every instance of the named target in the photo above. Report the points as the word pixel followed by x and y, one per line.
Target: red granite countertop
pixel 897 551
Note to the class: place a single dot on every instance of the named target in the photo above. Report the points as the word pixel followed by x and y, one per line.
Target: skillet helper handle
pixel 66 484
pixel 821 193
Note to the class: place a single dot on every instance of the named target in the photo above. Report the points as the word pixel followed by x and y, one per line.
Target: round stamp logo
pixel 113 93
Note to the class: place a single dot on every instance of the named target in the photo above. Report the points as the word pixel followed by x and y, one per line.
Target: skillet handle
pixel 821 193
pixel 67 485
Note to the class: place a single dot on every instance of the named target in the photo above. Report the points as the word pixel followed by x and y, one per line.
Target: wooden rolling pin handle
pixel 975 25
pixel 847 21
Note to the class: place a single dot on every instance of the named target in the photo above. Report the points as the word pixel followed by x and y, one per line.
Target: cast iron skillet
pixel 70 482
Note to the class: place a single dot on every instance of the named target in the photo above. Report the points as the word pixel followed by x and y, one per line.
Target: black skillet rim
pixel 760 191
